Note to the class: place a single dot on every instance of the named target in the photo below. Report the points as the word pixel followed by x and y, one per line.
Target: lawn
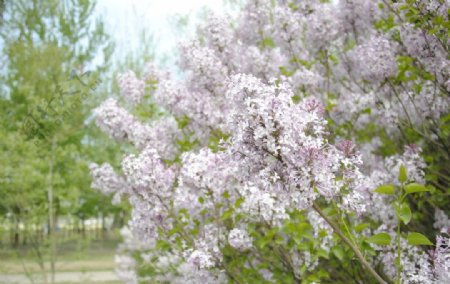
pixel 71 255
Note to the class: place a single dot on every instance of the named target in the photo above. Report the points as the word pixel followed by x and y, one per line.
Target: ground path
pixel 63 277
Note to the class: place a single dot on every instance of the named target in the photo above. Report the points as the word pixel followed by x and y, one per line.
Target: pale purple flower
pixel 132 88
pixel 239 239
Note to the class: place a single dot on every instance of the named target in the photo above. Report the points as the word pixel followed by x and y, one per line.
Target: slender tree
pixel 54 54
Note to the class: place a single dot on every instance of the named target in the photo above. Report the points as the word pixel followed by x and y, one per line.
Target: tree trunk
pixel 16 237
pixel 83 228
pixel 103 226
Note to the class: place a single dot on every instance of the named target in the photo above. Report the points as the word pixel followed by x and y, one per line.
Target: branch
pixel 350 244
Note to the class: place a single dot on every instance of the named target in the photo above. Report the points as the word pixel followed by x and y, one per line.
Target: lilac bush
pixel 305 142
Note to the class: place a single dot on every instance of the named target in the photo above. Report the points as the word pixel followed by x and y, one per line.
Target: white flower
pixel 239 239
pixel 131 87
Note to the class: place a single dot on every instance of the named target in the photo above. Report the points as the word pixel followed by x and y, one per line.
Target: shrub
pixel 306 142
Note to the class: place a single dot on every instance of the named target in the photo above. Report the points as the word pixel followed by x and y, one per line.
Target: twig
pixel 350 244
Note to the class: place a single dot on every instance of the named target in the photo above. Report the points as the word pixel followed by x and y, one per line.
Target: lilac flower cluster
pixel 420 266
pixel 259 98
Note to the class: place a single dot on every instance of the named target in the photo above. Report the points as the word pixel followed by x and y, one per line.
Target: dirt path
pixel 63 277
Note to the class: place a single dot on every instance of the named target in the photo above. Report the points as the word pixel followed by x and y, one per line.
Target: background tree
pixel 54 54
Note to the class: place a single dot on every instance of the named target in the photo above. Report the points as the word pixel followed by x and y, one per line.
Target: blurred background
pixel 58 61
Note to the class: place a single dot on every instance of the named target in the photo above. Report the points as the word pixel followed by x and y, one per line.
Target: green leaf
pixel 415 187
pixel 404 213
pixel 227 215
pixel 238 202
pixel 402 176
pixel 268 42
pixel 162 245
pixel 366 247
pixel 417 239
pixel 382 239
pixel 226 195
pixel 385 189
pixel 263 243
pixel 323 233
pixel 284 71
pixel 361 227
pixel 338 252
pixel 322 253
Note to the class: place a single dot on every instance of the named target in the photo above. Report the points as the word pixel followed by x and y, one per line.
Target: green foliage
pixel 417 239
pixel 267 42
pixel 47 93
pixel 386 24
pixel 403 213
pixel 403 175
pixel 414 187
pixel 431 22
pixel 385 189
pixel 383 239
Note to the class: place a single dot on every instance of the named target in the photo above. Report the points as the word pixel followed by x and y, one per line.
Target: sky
pixel 126 19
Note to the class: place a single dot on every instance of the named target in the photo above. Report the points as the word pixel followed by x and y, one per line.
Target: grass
pixel 76 254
